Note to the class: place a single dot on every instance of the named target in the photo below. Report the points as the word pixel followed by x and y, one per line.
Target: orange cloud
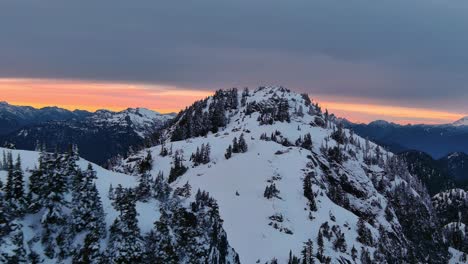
pixel 91 96
pixel 365 112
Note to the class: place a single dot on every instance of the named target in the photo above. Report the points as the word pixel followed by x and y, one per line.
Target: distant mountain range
pixel 435 153
pixel 99 135
pixel 436 140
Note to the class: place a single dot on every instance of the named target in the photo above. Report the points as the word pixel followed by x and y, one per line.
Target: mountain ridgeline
pixel 100 135
pixel 293 185
pixel 436 140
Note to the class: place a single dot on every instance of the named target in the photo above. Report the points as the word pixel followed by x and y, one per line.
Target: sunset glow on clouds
pixel 89 95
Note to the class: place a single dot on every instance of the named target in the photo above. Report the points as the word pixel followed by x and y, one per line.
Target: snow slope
pixel 148 212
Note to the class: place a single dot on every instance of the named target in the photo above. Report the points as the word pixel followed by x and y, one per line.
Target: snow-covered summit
pixel 283 172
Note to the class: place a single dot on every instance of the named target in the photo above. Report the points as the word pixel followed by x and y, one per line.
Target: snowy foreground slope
pixel 28 225
pixel 365 207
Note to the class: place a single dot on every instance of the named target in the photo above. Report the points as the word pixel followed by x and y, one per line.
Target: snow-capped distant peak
pixel 143 120
pixel 461 122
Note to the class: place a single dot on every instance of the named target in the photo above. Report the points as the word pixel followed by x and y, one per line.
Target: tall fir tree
pixel 125 241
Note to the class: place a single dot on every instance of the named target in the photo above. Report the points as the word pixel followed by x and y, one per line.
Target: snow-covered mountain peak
pixel 283 172
pixel 461 122
pixel 143 120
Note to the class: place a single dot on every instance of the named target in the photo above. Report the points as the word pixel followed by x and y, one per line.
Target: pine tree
pixel 308 193
pixel 164 151
pixel 89 253
pixel 308 253
pixel 53 200
pixel 161 189
pixel 110 193
pixel 235 146
pixel 354 253
pixel 228 153
pixel 143 191
pixel 307 142
pixel 87 208
pixel 178 169
pixel 10 178
pixel 364 234
pixel 159 245
pixel 125 242
pixel 242 147
pixel 320 245
pixel 146 164
pixel 5 162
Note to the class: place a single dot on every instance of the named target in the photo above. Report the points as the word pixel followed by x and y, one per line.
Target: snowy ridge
pixel 353 180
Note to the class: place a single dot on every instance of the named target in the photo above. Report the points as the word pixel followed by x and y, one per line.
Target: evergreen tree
pixel 146 164
pixel 307 142
pixel 10 177
pixel 308 193
pixel 235 145
pixel 159 245
pixel 161 189
pixel 308 253
pixel 242 146
pixel 320 245
pixel 87 208
pixel 364 234
pixel 143 190
pixel 125 242
pixel 228 153
pixel 14 189
pixel 354 253
pixel 178 169
pixel 89 253
pixel 54 203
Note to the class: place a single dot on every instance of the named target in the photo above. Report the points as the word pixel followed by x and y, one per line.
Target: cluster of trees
pixel 305 141
pixel 271 191
pixel 193 235
pixel 238 146
pixel 63 220
pixel 146 164
pixel 276 137
pixel 201 155
pixel 274 109
pixel 336 237
pixel 205 116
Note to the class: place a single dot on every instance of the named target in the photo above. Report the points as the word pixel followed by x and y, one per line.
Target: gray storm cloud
pixel 412 51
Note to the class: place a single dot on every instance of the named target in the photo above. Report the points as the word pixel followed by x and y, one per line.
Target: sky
pixel 399 60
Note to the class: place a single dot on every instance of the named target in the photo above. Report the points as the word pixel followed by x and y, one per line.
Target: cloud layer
pixel 404 52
